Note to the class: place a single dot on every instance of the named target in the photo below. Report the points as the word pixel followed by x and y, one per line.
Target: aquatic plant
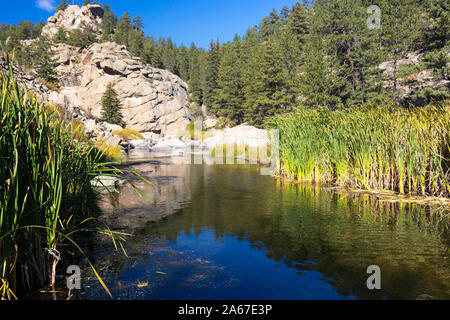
pixel 46 197
pixel 381 148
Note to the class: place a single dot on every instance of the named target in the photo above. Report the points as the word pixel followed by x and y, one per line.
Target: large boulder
pixel 242 135
pixel 85 18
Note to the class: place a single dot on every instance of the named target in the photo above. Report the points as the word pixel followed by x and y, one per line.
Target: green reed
pixel 377 148
pixel 46 197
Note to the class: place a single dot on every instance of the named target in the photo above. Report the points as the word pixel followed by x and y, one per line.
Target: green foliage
pixel 439 61
pixel 111 109
pixel 399 32
pixel 212 67
pixel 229 96
pixel 12 35
pixel 78 38
pixel 46 169
pixel 123 30
pixel 62 6
pixel 318 53
pixel 60 36
pixel 266 87
pixel 437 32
pixel 318 82
pixel 426 95
pixel 371 148
pixel 44 63
pixel 109 23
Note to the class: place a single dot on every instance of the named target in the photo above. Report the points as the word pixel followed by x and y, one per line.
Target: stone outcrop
pixel 153 100
pixel 86 18
pixel 242 135
pixel 422 79
pixel 26 80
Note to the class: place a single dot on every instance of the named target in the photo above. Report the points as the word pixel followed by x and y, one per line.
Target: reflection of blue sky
pixel 201 267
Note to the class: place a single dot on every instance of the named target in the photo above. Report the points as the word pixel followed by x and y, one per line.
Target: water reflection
pixel 231 233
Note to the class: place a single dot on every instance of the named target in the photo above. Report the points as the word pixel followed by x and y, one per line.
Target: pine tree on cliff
pixel 86 2
pixel 60 36
pixel 111 109
pixel 399 31
pixel 44 63
pixel 62 6
pixel 109 23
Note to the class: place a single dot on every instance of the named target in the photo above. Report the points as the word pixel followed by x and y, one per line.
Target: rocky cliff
pixel 153 100
pixel 86 18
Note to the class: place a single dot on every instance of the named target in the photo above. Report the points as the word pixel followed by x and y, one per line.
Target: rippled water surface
pixel 227 232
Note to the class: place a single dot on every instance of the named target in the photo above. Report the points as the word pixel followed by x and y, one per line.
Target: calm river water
pixel 227 232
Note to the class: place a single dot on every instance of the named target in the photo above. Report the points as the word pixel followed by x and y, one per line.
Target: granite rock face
pixel 85 18
pixel 153 100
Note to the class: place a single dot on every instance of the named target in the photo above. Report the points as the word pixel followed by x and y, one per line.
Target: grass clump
pixel 403 150
pixel 111 152
pixel 192 132
pixel 128 134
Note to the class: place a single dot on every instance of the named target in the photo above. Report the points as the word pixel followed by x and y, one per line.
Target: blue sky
pixel 184 21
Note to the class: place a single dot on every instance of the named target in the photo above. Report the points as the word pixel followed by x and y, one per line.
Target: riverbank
pixel 381 195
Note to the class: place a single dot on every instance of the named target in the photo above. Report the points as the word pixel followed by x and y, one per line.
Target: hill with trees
pixel 316 53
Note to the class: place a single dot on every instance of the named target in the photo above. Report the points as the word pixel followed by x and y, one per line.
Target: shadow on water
pixel 226 232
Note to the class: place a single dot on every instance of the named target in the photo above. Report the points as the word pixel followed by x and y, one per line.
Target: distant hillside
pixel 317 53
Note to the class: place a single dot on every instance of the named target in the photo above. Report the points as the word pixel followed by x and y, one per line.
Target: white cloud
pixel 47 5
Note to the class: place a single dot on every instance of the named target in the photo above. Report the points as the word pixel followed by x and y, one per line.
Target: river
pixel 228 232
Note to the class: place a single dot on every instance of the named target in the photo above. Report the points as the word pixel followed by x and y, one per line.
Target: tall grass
pixel 402 150
pixel 46 169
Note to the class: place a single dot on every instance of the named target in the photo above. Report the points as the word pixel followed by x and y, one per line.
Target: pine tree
pixel 44 63
pixel 111 109
pixel 342 25
pixel 437 34
pixel 298 19
pixel 230 97
pixel 266 87
pixel 109 23
pixel 136 42
pixel 169 55
pixel 210 84
pixel 123 29
pixel 318 82
pixel 182 63
pixel 195 82
pixel 138 23
pixel 400 29
pixel 60 36
pixel 86 2
pixel 80 39
pixel 62 6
